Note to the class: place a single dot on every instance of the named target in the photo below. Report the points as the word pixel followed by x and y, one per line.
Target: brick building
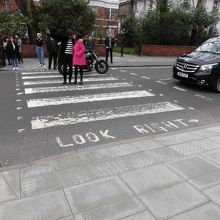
pixel 107 17
pixel 8 5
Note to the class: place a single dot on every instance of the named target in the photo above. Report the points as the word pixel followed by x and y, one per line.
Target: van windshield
pixel 210 47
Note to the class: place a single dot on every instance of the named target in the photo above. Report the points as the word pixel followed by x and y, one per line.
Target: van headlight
pixel 206 69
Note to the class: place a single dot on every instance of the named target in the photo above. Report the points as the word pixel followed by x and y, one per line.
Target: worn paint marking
pixel 74 88
pixel 86 98
pixel 98 79
pixel 102 114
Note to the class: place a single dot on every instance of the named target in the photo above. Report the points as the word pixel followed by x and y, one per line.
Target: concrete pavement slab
pixel 173 200
pixel 196 147
pixel 150 178
pixel 214 156
pixel 41 183
pixel 208 211
pixel 102 199
pixel 119 165
pixel 205 181
pixel 214 193
pixel 116 210
pixel 184 137
pixel 51 206
pixel 113 151
pixel 6 193
pixel 67 218
pixel 140 216
pixel 214 129
pixel 193 167
pixel 13 179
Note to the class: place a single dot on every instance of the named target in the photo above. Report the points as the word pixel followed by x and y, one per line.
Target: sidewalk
pixel 118 61
pixel 173 176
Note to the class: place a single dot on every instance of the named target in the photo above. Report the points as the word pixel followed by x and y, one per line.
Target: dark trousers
pixel 20 59
pixel 67 61
pixel 109 51
pixel 52 56
pixel 80 69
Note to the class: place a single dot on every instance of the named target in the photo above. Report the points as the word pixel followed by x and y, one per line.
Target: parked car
pixel 202 66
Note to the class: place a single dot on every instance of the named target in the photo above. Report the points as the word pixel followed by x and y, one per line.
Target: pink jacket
pixel 79 57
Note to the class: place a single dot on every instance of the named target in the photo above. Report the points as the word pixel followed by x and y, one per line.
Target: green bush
pixel 126 50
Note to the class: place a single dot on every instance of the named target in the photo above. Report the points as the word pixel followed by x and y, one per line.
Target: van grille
pixel 187 67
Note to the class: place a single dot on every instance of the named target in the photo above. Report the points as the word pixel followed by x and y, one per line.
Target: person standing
pixel 12 50
pixel 109 44
pixel 79 58
pixel 5 42
pixel 2 59
pixel 40 49
pixel 66 37
pixel 19 43
pixel 52 48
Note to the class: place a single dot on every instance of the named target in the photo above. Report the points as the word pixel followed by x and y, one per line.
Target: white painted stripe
pixel 101 79
pixel 102 114
pixel 134 74
pixel 145 77
pixel 180 89
pixel 86 98
pixel 161 82
pixel 203 97
pixel 74 88
pixel 123 71
pixel 35 73
pixel 42 77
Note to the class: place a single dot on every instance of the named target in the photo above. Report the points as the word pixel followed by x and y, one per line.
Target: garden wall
pixel 165 50
pixel 147 50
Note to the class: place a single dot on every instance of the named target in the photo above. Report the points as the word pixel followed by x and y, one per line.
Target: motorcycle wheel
pixel 60 69
pixel 101 67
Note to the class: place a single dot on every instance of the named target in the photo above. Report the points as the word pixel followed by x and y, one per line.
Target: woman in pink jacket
pixel 79 58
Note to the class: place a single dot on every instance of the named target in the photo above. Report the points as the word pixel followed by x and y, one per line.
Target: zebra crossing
pixel 44 89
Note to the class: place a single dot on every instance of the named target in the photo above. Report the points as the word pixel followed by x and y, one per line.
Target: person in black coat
pixel 13 50
pixel 66 37
pixel 52 48
pixel 109 44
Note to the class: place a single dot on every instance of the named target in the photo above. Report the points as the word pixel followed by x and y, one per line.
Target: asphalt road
pixel 40 117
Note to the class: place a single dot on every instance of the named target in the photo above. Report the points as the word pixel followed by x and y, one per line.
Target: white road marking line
pixel 160 82
pixel 74 88
pixel 203 97
pixel 134 74
pixel 101 79
pixel 191 108
pixel 145 77
pixel 21 130
pixel 123 71
pixel 86 98
pixel 102 114
pixel 179 88
pixel 113 68
pixel 165 79
pixel 41 77
pixel 34 73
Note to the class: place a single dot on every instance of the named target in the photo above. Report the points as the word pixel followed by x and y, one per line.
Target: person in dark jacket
pixel 66 37
pixel 52 48
pixel 109 44
pixel 13 50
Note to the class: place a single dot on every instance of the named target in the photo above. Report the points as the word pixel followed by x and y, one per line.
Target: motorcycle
pixel 93 62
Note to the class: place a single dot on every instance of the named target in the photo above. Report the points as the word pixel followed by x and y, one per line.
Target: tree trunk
pixel 28 9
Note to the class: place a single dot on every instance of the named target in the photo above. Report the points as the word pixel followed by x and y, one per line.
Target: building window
pixel 215 5
pixel 112 14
